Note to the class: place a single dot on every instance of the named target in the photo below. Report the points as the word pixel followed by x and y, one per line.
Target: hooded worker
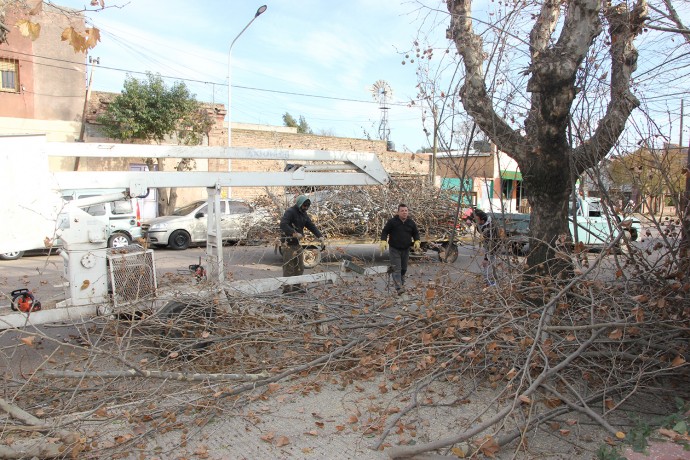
pixel 292 225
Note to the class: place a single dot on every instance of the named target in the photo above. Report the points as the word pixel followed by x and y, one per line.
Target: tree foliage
pixel 301 125
pixel 650 174
pixel 149 110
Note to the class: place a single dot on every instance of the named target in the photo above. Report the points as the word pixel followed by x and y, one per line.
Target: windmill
pixel 381 92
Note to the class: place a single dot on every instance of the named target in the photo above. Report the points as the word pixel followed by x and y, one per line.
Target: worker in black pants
pixel 399 234
pixel 292 226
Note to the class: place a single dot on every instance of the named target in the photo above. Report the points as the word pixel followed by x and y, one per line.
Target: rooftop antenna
pixel 381 92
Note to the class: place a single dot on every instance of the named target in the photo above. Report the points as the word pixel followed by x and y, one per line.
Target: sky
pixel 313 58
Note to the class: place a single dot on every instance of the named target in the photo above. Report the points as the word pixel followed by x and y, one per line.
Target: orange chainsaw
pixel 23 300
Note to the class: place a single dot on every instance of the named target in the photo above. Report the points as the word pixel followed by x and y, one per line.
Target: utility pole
pixel 685 205
pixel 432 172
pixel 82 131
pixel 680 140
pixel 685 216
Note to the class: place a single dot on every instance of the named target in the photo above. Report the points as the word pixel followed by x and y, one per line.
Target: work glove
pixel 322 240
pixel 297 235
pixel 383 245
pixel 417 245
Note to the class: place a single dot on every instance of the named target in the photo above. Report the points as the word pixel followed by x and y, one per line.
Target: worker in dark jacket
pixel 399 233
pixel 292 225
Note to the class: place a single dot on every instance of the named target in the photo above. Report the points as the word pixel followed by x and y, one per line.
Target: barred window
pixel 9 71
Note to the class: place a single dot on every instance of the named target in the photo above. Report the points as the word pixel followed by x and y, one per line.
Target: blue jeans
pixel 398 259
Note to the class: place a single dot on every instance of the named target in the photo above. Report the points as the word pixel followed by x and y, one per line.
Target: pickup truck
pixel 595 228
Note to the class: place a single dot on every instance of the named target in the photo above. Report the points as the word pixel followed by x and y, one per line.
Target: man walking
pixel 399 233
pixel 292 226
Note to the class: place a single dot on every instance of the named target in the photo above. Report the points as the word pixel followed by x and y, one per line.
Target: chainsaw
pixel 199 271
pixel 23 300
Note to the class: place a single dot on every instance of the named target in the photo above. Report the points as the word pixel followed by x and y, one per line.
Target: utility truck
pixel 100 279
pixel 124 223
pixel 591 224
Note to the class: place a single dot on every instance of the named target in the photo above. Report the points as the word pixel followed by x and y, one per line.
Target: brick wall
pixel 393 162
pixel 473 166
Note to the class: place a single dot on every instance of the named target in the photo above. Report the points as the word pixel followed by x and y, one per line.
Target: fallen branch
pixel 585 327
pixel 583 409
pixel 408 451
pixel 180 376
pixel 43 450
pixel 19 413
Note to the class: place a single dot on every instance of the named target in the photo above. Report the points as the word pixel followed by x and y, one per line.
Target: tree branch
pixel 544 26
pixel 624 27
pixel 180 376
pixel 473 93
pixel 43 450
pixel 583 409
pixel 282 375
pixel 402 452
pixel 675 17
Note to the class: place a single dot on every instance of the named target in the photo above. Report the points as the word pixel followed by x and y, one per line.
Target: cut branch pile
pixel 361 212
pixel 542 350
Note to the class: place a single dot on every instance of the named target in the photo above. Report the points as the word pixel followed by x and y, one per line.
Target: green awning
pixel 511 175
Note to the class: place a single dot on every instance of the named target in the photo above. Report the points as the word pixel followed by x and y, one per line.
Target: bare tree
pixel 561 37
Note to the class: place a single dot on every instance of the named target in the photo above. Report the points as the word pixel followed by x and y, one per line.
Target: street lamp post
pixel 259 11
pixel 214 242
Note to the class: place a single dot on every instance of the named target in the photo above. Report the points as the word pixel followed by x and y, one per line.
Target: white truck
pixel 592 225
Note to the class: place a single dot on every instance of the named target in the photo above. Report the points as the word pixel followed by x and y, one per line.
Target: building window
pixel 9 70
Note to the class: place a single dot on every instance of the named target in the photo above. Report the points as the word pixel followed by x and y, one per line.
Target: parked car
pixel 14 255
pixel 124 225
pixel 188 225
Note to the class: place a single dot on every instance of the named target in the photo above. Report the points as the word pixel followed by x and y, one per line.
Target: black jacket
pixel 294 220
pixel 400 234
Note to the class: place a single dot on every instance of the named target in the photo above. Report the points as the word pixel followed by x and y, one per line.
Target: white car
pixel 188 224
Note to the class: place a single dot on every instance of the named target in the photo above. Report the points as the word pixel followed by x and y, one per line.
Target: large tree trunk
pixel 167 201
pixel 167 197
pixel 548 187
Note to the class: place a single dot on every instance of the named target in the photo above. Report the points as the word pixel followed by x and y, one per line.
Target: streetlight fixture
pixel 214 246
pixel 258 13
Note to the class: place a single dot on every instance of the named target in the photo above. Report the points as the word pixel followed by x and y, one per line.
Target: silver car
pixel 188 224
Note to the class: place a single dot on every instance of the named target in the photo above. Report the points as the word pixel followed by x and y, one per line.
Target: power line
pixel 79 96
pixel 134 72
pixel 314 95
